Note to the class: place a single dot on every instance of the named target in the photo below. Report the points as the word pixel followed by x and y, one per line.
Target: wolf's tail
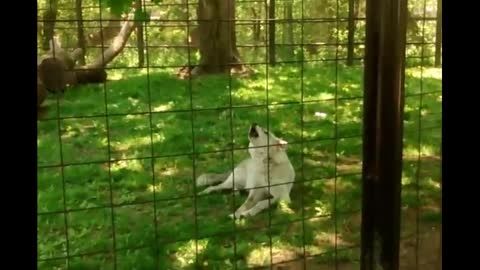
pixel 211 178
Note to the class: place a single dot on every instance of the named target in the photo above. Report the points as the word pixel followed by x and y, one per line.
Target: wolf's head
pixel 262 140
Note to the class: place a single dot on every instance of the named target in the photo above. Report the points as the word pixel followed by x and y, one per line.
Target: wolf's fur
pixel 266 173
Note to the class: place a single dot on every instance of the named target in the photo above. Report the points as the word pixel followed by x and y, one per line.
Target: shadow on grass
pixel 158 211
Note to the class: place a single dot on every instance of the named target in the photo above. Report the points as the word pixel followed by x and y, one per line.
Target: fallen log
pixel 56 69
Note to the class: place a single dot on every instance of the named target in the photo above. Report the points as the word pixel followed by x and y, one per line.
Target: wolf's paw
pixel 238 215
pixel 205 191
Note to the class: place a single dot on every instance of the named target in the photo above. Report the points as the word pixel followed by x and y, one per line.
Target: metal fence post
pixel 383 133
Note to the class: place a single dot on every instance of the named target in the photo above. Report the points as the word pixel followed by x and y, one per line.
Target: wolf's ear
pixel 282 144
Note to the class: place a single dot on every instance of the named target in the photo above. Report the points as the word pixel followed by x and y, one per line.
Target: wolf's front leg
pixel 254 196
pixel 279 193
pixel 261 205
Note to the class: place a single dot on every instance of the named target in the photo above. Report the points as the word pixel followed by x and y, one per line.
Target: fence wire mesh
pixel 118 158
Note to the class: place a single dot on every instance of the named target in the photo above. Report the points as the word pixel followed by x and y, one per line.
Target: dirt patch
pixel 428 254
pixel 311 265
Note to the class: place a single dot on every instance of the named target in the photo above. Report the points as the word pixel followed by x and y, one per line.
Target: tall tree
pixel 271 33
pixel 256 26
pixel 351 31
pixel 49 18
pixel 217 39
pixel 438 36
pixel 289 30
pixel 80 31
pixel 139 29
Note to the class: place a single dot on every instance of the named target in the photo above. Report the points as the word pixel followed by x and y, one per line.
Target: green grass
pixel 153 213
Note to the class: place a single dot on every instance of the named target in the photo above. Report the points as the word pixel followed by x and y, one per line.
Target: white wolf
pixel 265 174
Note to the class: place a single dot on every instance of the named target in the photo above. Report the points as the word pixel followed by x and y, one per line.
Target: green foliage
pixel 142 15
pixel 319 32
pixel 117 7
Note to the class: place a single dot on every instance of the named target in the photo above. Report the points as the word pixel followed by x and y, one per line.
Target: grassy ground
pixel 154 158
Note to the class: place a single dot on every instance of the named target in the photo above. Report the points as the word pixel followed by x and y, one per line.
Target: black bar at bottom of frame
pixel 383 130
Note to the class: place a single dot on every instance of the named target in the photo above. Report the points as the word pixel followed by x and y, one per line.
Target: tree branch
pixel 116 46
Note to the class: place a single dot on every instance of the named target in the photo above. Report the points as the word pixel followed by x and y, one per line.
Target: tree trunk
pixel 351 32
pixel 438 36
pixel 218 50
pixel 256 27
pixel 271 33
pixel 80 32
pixel 216 44
pixel 284 25
pixel 185 9
pixel 140 42
pixel 55 75
pixel 412 25
pixel 192 39
pixel 290 28
pixel 49 17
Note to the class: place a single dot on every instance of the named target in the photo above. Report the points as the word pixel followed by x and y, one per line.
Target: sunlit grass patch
pixel 147 156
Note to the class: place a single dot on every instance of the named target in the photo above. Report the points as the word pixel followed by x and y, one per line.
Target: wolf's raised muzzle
pixel 253 131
